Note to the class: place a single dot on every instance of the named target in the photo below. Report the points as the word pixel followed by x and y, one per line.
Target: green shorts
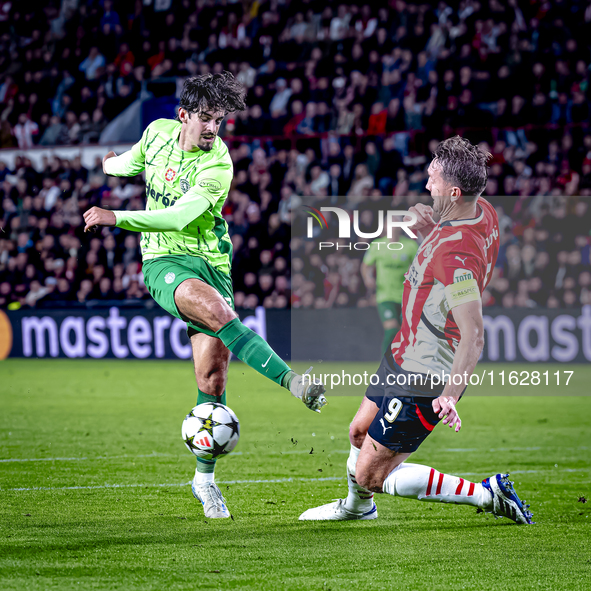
pixel 390 311
pixel 164 274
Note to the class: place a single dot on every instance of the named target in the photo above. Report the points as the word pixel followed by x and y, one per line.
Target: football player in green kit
pixel 186 249
pixel 391 258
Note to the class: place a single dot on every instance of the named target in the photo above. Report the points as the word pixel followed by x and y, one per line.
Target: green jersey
pixel 391 266
pixel 185 193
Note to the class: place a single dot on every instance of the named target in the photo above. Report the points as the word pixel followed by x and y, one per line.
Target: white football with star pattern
pixel 211 430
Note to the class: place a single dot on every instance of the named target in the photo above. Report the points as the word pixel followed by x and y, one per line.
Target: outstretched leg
pixel 204 306
pixel 380 469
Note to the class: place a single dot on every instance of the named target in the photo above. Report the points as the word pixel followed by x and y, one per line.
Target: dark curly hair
pixel 463 165
pixel 213 92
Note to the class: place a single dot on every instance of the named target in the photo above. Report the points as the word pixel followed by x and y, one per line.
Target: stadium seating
pixel 344 105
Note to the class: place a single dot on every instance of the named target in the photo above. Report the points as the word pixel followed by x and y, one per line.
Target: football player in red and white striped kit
pixel 442 336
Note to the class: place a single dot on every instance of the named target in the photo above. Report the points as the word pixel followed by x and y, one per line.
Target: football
pixel 211 430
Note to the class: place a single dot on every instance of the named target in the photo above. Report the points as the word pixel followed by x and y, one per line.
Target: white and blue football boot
pixel 311 393
pixel 214 504
pixel 336 512
pixel 506 503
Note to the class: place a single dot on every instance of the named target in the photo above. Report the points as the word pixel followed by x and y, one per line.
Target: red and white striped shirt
pixel 455 251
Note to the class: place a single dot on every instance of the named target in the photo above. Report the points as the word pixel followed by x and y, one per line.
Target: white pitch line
pixel 260 481
pixel 161 455
pixel 43 459
pixel 286 452
pixel 494 449
pixel 274 481
pixel 152 455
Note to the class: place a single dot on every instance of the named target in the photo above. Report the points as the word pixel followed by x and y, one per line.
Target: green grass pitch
pixel 94 488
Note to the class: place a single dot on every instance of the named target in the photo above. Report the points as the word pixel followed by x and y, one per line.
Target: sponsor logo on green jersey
pixel 210 184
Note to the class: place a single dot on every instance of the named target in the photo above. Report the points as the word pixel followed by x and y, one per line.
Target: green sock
pixel 249 347
pixel 203 397
pixel 208 466
pixel 389 335
pixel 205 466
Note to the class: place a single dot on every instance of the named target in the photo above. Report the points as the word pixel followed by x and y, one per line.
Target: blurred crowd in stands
pixel 346 102
pixel 310 68
pixel 45 258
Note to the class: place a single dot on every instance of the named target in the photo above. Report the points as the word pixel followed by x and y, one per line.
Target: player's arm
pixel 209 187
pixel 464 299
pixel 369 269
pixel 468 317
pixel 425 222
pixel 368 275
pixel 129 163
pixel 170 219
pixel 110 154
pixel 461 268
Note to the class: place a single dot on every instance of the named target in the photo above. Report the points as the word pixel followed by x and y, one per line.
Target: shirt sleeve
pixel 213 183
pixel 129 163
pixel 171 219
pixel 461 270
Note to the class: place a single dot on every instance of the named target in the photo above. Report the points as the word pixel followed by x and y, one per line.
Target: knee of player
pixel 368 481
pixel 222 314
pixel 356 435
